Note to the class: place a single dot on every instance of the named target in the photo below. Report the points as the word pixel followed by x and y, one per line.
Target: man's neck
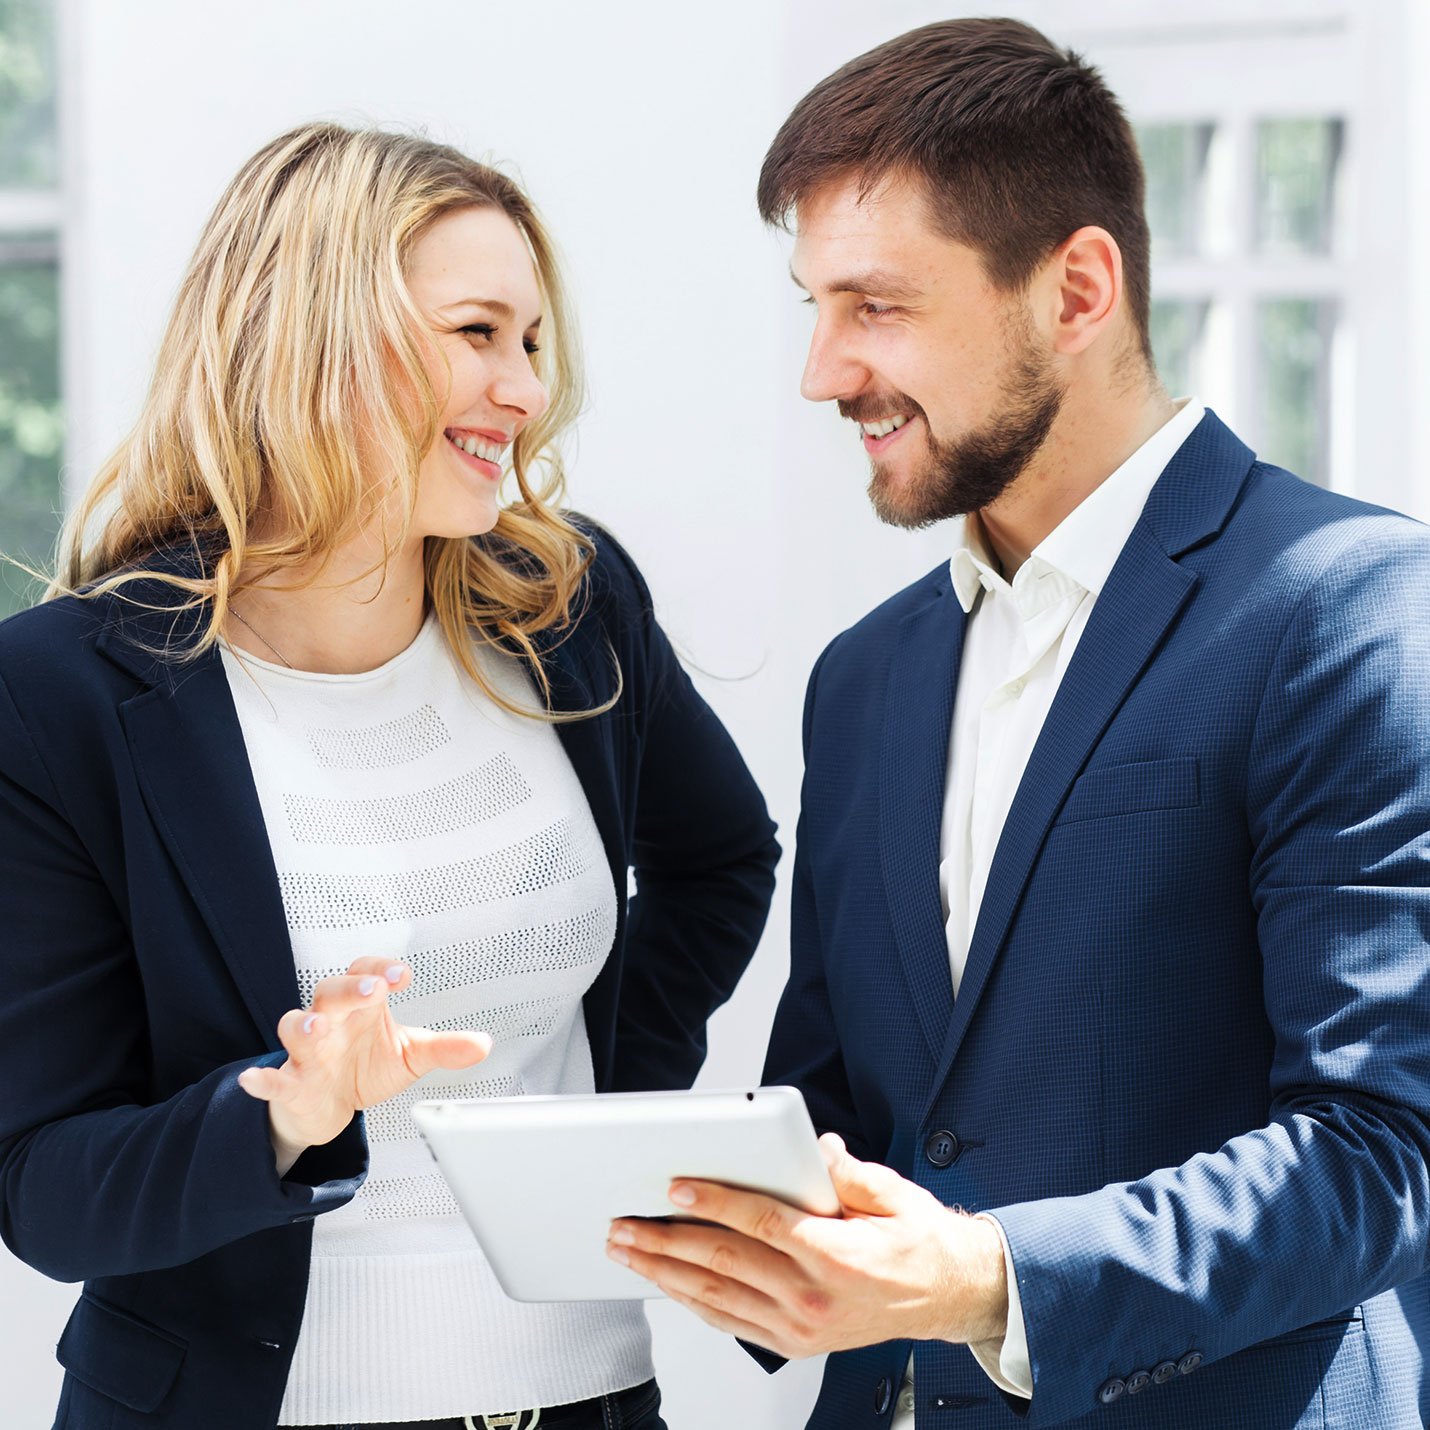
pixel 1090 440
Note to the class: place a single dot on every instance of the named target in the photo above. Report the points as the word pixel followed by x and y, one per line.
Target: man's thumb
pixel 861 1186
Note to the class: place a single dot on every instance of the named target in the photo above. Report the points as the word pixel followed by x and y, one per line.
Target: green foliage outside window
pixel 31 423
pixel 28 152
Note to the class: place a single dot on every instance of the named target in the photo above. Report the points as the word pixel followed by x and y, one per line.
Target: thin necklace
pixel 234 613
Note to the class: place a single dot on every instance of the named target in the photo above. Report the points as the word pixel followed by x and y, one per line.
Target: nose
pixel 829 370
pixel 518 390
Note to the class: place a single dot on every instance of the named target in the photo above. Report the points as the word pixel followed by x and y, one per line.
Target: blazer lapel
pixel 913 762
pixel 575 685
pixel 192 766
pixel 1143 596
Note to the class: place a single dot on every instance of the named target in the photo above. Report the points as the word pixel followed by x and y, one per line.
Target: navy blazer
pixel 1188 1067
pixel 146 963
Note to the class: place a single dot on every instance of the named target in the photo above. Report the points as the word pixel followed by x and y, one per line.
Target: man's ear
pixel 1085 289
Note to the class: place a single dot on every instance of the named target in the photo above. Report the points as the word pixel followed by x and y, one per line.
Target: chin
pixel 459 520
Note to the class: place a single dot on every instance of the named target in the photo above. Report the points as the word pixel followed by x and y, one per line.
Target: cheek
pixel 468 381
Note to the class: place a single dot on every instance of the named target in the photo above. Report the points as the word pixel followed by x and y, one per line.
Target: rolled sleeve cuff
pixel 1008 1367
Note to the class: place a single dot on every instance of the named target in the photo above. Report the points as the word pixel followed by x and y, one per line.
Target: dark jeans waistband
pixel 632 1409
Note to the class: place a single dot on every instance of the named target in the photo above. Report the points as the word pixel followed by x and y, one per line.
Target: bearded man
pixel 1109 977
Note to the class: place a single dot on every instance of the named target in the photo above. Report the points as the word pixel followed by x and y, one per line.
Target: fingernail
pixel 682 1195
pixel 366 985
pixel 616 1254
pixel 394 973
pixel 623 1236
pixel 310 1022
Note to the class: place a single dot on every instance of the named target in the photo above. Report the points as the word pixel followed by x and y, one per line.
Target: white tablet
pixel 540 1179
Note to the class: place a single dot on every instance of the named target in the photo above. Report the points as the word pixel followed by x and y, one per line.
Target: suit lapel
pixel 913 760
pixel 192 766
pixel 1140 601
pixel 1144 594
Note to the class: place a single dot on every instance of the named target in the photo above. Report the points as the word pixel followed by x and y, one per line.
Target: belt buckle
pixel 506 1420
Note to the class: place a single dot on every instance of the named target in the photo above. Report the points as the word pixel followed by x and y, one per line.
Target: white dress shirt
pixel 1019 640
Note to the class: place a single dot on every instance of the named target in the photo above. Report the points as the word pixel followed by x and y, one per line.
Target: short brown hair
pixel 1017 144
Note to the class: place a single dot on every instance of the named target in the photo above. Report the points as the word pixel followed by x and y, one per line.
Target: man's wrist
pixel 975 1300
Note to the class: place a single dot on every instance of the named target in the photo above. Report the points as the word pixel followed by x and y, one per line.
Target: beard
pixel 965 474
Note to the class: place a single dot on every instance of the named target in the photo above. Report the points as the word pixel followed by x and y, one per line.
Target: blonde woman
pixel 322 771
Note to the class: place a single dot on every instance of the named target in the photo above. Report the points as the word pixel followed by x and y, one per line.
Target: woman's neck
pixel 344 623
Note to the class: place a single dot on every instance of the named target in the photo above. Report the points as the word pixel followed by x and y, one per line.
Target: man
pixel 1110 920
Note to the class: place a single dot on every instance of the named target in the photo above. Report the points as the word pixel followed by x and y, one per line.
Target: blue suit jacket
pixel 1189 1064
pixel 146 962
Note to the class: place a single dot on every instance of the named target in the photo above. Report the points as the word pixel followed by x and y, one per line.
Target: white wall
pixel 639 127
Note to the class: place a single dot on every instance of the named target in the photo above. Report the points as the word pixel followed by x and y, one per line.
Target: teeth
pixel 882 429
pixel 475 447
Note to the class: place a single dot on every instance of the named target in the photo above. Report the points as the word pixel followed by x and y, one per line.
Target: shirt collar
pixel 1085 545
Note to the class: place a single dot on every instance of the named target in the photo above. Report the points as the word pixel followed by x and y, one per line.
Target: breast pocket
pixel 1108 790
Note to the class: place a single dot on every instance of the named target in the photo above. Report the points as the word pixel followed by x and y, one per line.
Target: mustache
pixel 871 406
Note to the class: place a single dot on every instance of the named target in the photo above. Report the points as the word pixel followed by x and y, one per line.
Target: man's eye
pixel 874 310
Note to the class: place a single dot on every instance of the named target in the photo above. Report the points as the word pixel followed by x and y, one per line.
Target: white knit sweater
pixel 412 818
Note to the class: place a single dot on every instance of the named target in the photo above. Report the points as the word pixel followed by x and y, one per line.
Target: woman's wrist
pixel 287 1145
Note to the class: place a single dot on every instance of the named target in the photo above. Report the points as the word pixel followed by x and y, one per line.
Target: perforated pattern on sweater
pixel 391 1121
pixel 516 1020
pixel 401 1198
pixel 480 794
pixel 379 747
pixel 560 945
pixel 334 901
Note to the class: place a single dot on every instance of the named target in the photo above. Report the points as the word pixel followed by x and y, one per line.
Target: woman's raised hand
pixel 348 1052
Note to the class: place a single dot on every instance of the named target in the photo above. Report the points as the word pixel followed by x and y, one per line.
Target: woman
pixel 321 772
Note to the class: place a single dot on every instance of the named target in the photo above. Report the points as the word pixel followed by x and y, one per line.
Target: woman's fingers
pixel 351 992
pixel 263 1083
pixel 396 974
pixel 300 1030
pixel 428 1051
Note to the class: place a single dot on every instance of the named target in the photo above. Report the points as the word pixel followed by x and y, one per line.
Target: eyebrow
pixel 869 280
pixel 495 305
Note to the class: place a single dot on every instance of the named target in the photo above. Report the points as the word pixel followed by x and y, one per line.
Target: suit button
pixel 941 1148
pixel 1164 1372
pixel 1138 1381
pixel 883 1394
pixel 1189 1362
pixel 1111 1389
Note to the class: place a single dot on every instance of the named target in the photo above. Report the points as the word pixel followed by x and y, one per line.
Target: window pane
pixel 1293 340
pixel 1175 158
pixel 1296 162
pixel 31 425
pixel 29 157
pixel 1176 330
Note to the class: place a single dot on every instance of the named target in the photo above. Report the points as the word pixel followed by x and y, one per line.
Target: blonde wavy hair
pixel 292 323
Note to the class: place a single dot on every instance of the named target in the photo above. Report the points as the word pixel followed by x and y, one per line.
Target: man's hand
pixel 898 1264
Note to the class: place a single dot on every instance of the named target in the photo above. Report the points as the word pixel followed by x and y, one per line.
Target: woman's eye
pixel 530 346
pixel 481 330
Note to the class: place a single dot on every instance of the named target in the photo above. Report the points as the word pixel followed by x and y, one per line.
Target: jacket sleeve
pixel 1329 1203
pixel 95 1179
pixel 704 855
